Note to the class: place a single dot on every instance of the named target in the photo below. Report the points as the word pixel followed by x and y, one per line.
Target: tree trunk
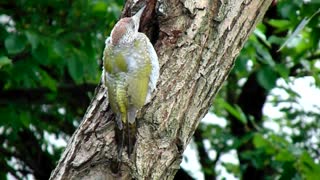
pixel 197 43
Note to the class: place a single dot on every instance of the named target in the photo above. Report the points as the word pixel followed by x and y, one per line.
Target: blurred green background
pixel 50 64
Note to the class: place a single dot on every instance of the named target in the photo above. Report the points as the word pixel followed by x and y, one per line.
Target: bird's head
pixel 125 31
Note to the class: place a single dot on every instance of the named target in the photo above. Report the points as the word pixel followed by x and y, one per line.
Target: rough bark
pixel 197 44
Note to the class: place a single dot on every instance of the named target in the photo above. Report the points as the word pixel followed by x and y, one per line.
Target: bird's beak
pixel 137 16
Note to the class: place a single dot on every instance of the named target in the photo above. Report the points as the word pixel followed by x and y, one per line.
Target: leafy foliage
pixel 49 66
pixel 292 152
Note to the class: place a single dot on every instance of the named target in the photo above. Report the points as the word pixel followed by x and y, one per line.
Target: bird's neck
pixel 125 40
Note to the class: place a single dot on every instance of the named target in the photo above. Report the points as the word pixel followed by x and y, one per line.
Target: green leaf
pixel 262 36
pixel 241 65
pixel 284 155
pixel 280 23
pixel 282 70
pixel 15 44
pixel 33 39
pixel 4 60
pixel 41 54
pixel 235 111
pixel 308 168
pixel 259 141
pixel 264 54
pixel 75 69
pixel 301 26
pixel 90 72
pixel 46 80
pixel 25 118
pixel 231 168
pixel 100 7
pixel 262 143
pixel 267 77
pixel 276 40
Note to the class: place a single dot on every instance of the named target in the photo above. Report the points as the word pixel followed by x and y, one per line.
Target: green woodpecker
pixel 131 71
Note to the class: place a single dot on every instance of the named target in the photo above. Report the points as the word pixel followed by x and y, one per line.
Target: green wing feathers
pixel 138 87
pixel 117 93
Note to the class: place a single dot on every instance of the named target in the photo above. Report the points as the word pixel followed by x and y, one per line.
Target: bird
pixel 130 74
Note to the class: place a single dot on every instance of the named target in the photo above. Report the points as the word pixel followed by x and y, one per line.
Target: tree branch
pixel 37 95
pixel 182 174
pixel 205 161
pixel 197 45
